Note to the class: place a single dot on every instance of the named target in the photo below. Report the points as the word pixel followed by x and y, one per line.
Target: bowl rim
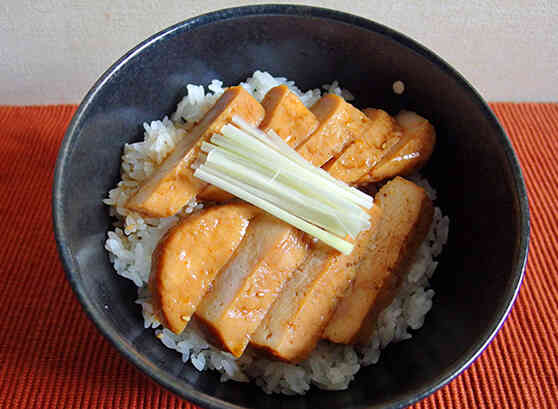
pixel 178 386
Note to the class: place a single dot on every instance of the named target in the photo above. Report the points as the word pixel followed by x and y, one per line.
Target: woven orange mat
pixel 44 365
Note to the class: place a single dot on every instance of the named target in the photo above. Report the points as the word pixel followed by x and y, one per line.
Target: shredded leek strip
pixel 280 194
pixel 221 155
pixel 262 169
pixel 276 142
pixel 359 197
pixel 300 178
pixel 229 161
pixel 356 219
pixel 236 188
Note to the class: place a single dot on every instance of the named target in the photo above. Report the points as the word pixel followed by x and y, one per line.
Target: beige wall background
pixel 51 51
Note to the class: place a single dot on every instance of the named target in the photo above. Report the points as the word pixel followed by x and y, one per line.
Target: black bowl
pixel 474 169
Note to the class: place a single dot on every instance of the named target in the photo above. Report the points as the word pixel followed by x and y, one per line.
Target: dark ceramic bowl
pixel 474 169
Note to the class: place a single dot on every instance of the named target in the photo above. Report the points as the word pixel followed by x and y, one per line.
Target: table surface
pixel 43 365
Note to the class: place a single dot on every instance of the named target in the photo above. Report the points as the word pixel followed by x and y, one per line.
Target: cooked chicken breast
pixel 360 156
pixel 245 289
pixel 406 217
pixel 190 255
pixel 411 151
pixel 294 324
pixel 214 194
pixel 286 114
pixel 340 124
pixel 173 184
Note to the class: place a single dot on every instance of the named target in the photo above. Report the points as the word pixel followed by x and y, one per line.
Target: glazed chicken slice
pixel 173 184
pixel 410 153
pixel 340 124
pixel 190 255
pixel 294 324
pixel 406 218
pixel 360 156
pixel 287 116
pixel 245 289
pixel 213 194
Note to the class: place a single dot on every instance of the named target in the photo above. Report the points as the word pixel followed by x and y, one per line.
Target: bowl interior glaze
pixel 473 168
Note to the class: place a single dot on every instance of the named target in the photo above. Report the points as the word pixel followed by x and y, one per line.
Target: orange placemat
pixel 44 365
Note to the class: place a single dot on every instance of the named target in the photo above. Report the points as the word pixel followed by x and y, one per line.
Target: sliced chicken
pixel 190 255
pixel 214 194
pixel 340 124
pixel 173 184
pixel 411 151
pixel 294 324
pixel 245 289
pixel 286 114
pixel 358 158
pixel 406 217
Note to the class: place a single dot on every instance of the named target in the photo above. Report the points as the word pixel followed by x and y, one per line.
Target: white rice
pixel 134 238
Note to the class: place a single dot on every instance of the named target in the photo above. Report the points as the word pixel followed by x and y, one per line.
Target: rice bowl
pixel 134 238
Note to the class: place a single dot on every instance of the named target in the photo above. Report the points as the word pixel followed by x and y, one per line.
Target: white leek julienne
pixel 304 179
pixel 295 161
pixel 272 190
pixel 279 144
pixel 337 220
pixel 311 188
pixel 263 170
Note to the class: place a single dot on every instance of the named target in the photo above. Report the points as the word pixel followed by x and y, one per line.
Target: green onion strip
pixel 265 171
